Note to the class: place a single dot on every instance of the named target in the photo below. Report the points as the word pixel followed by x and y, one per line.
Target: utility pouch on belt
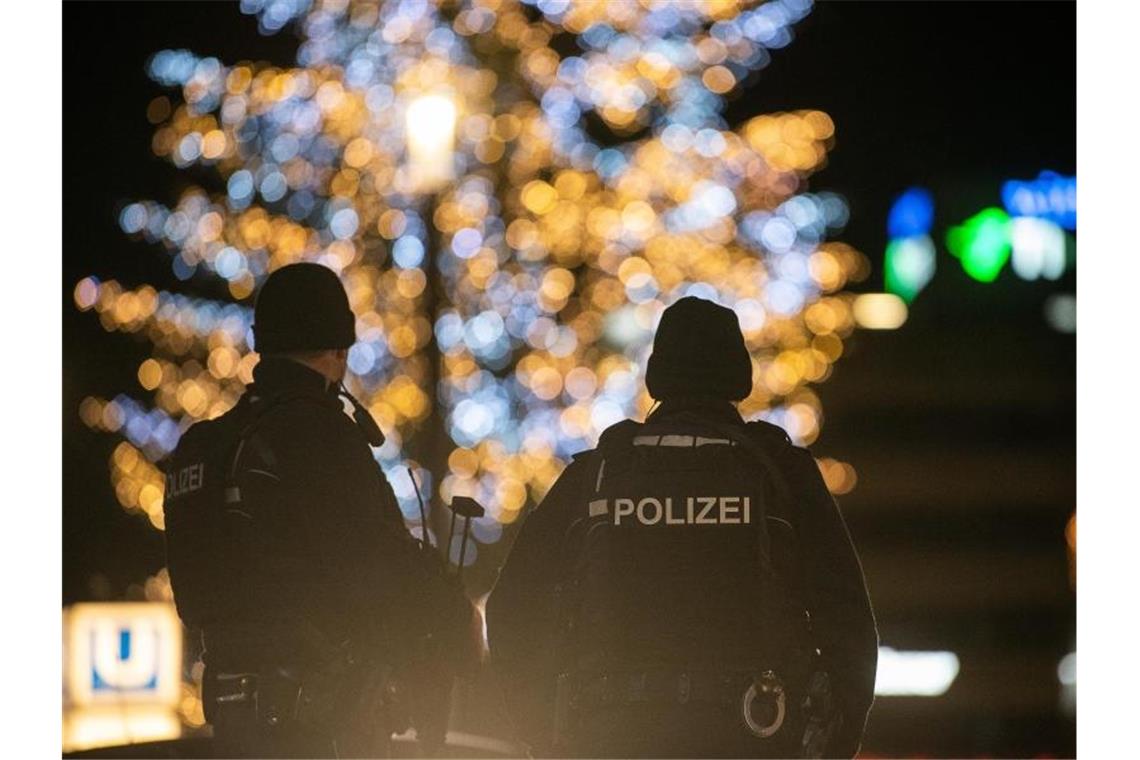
pixel 822 720
pixel 278 697
pixel 342 691
pixel 327 698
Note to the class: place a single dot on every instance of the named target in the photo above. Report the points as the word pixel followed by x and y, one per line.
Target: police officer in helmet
pixel 688 588
pixel 287 550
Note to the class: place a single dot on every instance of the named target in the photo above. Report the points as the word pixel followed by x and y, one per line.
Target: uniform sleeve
pixel 386 569
pixel 842 619
pixel 348 519
pixel 523 611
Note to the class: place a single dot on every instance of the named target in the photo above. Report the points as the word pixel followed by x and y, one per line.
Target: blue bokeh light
pixel 911 214
pixel 1051 196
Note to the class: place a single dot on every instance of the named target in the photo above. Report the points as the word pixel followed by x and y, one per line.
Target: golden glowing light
pixel 840 477
pixel 879 311
pixel 430 123
pixel 505 265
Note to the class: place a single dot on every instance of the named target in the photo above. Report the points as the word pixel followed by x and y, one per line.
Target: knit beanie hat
pixel 699 351
pixel 302 307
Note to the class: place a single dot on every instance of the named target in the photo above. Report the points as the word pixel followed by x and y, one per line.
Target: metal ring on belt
pixel 750 696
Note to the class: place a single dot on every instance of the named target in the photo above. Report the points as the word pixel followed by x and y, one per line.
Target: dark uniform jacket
pixel 327 555
pixel 522 614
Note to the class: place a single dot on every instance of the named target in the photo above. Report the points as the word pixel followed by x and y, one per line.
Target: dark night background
pixel 961 424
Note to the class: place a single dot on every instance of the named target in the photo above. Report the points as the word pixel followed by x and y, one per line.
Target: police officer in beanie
pixel 287 549
pixel 689 587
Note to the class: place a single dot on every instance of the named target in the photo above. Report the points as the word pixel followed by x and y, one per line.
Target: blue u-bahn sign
pixel 123 652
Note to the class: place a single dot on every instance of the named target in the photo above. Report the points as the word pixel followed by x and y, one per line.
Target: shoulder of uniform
pixel 311 422
pixel 204 429
pixel 199 427
pixel 618 430
pixel 803 456
pixel 582 456
pixel 767 434
pixel 299 398
pixel 799 464
pixel 301 404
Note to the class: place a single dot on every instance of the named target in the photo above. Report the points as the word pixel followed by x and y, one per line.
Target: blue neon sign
pixel 1051 196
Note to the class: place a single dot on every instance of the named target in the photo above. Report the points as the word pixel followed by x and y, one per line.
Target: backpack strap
pixel 775 439
pixel 259 408
pixel 567 588
pixel 746 438
pixel 613 437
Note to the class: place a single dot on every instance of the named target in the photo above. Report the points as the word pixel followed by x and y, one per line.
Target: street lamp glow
pixel 1067 670
pixel 430 124
pixel 914 674
pixel 879 311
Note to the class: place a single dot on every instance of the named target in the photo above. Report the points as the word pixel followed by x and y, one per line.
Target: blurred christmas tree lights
pixel 511 192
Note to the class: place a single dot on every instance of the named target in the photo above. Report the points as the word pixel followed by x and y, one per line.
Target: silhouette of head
pixel 302 313
pixel 699 351
pixel 302 307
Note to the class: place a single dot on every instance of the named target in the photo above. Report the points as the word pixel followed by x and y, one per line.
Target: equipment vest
pixel 683 553
pixel 212 540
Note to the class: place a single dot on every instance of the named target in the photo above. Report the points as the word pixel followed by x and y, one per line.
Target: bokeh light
pixel 982 243
pixel 879 311
pixel 1050 196
pixel 1037 248
pixel 507 266
pixel 911 214
pixel 1061 312
pixel 909 265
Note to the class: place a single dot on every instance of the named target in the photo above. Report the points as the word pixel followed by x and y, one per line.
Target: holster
pixel 277 696
pixel 340 695
pixel 821 718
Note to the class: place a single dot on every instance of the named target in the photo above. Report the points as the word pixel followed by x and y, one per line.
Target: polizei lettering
pixel 694 510
pixel 185 480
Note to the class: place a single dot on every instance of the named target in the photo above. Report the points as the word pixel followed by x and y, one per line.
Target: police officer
pixel 688 588
pixel 286 546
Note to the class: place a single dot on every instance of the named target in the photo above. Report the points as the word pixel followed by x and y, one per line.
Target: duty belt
pixel 324 697
pixel 234 687
pixel 661 686
pixel 274 697
pixel 760 698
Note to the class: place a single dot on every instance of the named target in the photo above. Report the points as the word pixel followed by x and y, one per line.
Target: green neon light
pixel 908 266
pixel 982 243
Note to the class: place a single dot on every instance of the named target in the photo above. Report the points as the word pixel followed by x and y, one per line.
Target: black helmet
pixel 699 351
pixel 302 307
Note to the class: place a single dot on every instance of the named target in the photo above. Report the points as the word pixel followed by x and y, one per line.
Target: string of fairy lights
pixel 511 192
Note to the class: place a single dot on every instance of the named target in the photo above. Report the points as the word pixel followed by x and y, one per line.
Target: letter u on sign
pixel 124 657
pixel 129 652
